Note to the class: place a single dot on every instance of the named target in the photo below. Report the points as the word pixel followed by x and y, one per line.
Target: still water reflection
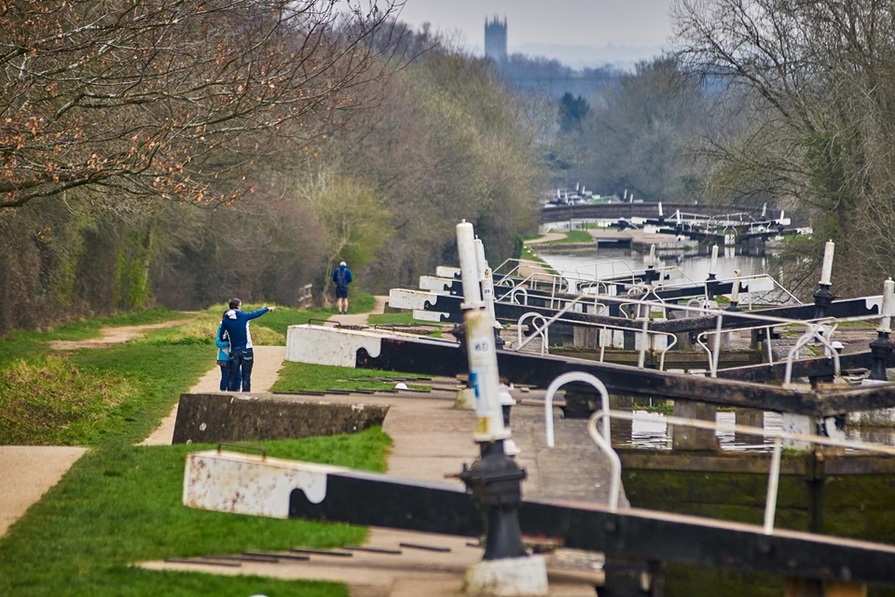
pixel 650 431
pixel 611 262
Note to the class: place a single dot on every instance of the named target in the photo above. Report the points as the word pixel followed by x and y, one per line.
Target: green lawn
pixel 120 504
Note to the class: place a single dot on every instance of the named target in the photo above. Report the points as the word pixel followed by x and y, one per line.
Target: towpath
pixel 432 441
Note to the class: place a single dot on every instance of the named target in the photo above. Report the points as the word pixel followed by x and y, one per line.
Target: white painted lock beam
pixel 436 284
pixel 759 284
pixel 404 298
pixel 434 316
pixel 248 484
pixel 338 346
pixel 447 271
pixel 320 345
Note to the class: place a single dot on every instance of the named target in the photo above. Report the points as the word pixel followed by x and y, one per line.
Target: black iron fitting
pixel 494 478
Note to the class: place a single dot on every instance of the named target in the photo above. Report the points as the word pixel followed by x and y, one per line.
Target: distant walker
pixel 342 278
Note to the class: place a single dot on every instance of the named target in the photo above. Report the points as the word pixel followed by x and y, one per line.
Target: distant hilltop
pixel 579 57
pixel 620 57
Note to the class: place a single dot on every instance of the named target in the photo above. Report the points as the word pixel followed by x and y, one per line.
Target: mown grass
pixel 302 376
pixel 21 344
pixel 120 504
pixel 573 236
pixel 51 402
pixel 400 318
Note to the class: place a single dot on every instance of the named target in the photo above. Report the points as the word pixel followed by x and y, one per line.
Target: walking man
pixel 235 326
pixel 342 278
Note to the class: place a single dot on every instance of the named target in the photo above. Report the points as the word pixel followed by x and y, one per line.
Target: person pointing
pixel 235 326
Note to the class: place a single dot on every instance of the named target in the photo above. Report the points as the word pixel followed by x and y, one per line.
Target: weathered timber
pixel 446 358
pixel 814 367
pixel 450 307
pixel 627 533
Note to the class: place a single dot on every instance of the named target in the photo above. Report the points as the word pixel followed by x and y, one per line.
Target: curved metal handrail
pixel 511 296
pixel 560 382
pixel 542 331
pixel 815 331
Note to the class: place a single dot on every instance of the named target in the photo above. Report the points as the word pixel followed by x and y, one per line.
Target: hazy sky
pixel 532 23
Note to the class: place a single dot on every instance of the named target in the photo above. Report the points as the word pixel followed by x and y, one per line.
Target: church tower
pixel 496 40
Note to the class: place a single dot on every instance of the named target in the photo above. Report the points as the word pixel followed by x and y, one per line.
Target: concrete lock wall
pixel 211 418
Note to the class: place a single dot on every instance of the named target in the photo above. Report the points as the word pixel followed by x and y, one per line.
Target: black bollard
pixel 499 342
pixel 880 349
pixel 496 481
pixel 459 332
pixel 823 297
pixel 711 284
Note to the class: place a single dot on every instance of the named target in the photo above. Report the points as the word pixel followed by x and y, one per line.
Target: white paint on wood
pixel 249 484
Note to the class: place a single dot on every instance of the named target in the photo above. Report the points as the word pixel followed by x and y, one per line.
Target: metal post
pixel 494 478
pixel 823 296
pixel 881 347
pixel 735 293
pixel 712 282
pixel 487 285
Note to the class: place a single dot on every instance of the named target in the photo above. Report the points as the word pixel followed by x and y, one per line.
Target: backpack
pixel 342 276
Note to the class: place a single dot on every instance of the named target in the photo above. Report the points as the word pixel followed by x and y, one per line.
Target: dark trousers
pixel 241 362
pixel 225 375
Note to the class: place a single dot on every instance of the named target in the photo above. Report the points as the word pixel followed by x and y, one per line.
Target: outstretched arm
pixel 259 312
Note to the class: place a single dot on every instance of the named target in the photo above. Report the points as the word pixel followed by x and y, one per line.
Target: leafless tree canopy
pixel 162 97
pixel 815 92
pixel 178 153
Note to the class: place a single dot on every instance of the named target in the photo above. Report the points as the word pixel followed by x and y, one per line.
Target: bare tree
pixel 637 134
pixel 173 98
pixel 818 79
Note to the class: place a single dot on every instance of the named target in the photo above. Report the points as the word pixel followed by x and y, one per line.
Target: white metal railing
pixel 820 329
pixel 637 308
pixel 749 294
pixel 539 276
pixel 604 443
pixel 542 331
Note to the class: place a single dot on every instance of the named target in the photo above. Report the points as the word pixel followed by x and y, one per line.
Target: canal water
pixel 696 268
pixel 651 431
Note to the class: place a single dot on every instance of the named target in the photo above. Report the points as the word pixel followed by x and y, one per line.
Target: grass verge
pixel 120 504
pixel 302 376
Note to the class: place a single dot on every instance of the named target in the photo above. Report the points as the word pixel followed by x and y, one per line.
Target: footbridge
pixel 617 211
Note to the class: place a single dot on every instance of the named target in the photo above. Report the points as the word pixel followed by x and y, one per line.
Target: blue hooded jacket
pixel 342 275
pixel 236 324
pixel 223 345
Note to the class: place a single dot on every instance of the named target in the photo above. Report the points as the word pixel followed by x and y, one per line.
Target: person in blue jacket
pixel 223 345
pixel 342 278
pixel 235 326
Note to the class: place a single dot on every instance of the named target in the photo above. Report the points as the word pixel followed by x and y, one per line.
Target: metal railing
pixel 638 309
pixel 604 444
